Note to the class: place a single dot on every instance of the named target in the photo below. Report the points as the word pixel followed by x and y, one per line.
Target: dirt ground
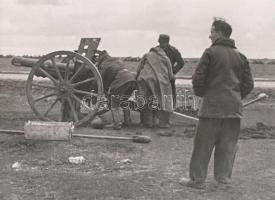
pixel 122 169
pixel 118 169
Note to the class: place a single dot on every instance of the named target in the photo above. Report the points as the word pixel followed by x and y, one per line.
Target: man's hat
pixel 163 38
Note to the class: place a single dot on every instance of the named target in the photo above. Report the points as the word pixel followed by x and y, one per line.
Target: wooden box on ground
pixel 38 130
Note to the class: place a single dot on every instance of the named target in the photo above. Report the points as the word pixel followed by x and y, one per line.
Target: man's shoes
pixel 223 184
pixel 127 124
pixel 190 183
pixel 167 133
pixel 114 126
pixel 164 125
pixel 117 126
pixel 147 125
pixel 224 181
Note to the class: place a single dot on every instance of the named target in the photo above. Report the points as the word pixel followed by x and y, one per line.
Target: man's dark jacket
pixel 177 63
pixel 113 72
pixel 175 57
pixel 223 78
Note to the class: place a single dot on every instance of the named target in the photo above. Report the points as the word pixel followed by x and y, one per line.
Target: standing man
pixel 222 78
pixel 154 76
pixel 175 57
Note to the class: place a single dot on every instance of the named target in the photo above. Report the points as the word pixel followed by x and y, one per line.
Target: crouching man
pixel 118 83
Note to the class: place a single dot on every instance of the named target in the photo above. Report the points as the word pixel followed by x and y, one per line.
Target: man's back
pixel 225 69
pixel 219 80
pixel 172 52
pixel 108 68
pixel 175 57
pixel 222 78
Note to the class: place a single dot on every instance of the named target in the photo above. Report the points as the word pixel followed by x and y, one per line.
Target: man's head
pixel 99 56
pixel 220 29
pixel 163 39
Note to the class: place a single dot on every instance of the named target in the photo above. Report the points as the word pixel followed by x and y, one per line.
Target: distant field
pixel 258 70
pixel 5 65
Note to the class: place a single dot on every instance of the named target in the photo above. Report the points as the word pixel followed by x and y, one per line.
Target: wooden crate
pixel 38 130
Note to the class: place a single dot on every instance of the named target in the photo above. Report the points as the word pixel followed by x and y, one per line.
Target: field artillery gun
pixel 65 85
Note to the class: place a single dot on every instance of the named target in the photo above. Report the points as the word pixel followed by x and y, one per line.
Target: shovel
pixel 259 97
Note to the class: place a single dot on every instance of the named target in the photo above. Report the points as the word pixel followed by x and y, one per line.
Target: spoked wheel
pixel 69 91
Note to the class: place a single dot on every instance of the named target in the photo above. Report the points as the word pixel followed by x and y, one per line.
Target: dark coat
pixel 114 73
pixel 175 57
pixel 177 63
pixel 222 78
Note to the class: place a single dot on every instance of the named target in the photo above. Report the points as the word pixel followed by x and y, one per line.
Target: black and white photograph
pixel 137 100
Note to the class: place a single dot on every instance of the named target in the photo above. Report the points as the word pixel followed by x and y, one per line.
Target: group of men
pixel 222 79
pixel 154 81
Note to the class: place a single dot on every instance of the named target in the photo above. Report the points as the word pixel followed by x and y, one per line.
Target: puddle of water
pixel 17 77
pixel 187 82
pixel 261 84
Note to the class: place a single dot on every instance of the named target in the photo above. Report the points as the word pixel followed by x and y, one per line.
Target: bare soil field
pixel 122 170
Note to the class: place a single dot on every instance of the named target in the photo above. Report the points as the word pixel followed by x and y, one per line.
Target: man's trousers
pixel 116 98
pixel 223 135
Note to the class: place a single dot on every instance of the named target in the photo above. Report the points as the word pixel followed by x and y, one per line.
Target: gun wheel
pixel 69 91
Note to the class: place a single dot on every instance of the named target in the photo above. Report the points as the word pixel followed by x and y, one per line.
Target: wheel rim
pixel 69 91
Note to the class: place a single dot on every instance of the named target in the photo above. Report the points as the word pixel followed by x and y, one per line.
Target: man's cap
pixel 163 38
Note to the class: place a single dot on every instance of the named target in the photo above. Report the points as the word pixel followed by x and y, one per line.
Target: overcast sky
pixel 131 27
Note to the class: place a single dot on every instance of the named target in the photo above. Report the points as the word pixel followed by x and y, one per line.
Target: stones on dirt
pixel 42 162
pixel 167 133
pixel 16 166
pixel 138 133
pixel 126 161
pixel 77 160
pixel 261 131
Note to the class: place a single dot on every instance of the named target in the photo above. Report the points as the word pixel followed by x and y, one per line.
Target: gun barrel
pixel 25 62
pixel 47 65
pixel 30 62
